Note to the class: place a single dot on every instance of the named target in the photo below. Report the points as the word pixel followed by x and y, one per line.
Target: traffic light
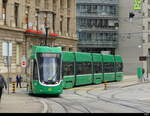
pixel 131 15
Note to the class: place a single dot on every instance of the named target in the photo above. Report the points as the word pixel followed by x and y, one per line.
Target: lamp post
pixel 27 19
pixel 37 21
pixel 46 25
pixel 46 29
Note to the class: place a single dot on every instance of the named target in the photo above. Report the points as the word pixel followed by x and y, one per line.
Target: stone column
pixel 10 13
pixel 1 8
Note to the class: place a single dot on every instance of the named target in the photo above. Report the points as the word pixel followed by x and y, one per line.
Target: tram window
pixel 119 67
pixel 97 67
pixel 84 68
pixel 35 71
pixel 108 67
pixel 68 68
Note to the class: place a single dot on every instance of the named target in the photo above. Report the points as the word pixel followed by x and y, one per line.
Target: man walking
pixel 2 84
pixel 18 80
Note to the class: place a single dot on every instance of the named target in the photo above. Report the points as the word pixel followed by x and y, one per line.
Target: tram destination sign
pixel 49 55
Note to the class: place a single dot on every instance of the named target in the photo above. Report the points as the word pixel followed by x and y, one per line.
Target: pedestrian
pixel 143 77
pixel 18 80
pixel 2 84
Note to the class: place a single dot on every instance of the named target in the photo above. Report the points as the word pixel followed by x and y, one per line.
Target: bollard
pixel 13 87
pixel 105 85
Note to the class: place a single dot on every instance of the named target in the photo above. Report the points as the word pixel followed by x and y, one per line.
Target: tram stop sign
pixel 23 62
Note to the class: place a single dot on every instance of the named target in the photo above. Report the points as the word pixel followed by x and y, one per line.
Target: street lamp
pixel 37 21
pixel 46 25
pixel 27 19
pixel 46 30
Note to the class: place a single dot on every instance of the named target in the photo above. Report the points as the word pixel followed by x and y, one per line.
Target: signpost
pixel 7 53
pixel 23 62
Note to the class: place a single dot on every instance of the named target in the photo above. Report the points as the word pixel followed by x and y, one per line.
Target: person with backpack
pixel 2 84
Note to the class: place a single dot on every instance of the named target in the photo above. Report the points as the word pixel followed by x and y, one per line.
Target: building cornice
pixel 11 28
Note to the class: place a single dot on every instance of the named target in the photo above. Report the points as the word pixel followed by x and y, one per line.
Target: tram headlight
pixel 49 89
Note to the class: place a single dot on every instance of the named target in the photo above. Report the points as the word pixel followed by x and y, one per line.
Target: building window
pixel 16 9
pixel 61 24
pixel 61 4
pixel 148 12
pixel 68 3
pixel 148 25
pixel 68 23
pixel 27 1
pixel 37 3
pixel 46 4
pixel 148 37
pixel 37 19
pixel 27 16
pixel 54 5
pixel 4 8
pixel 54 19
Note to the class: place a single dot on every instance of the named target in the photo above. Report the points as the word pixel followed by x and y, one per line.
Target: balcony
pixel 97 15
pixel 94 29
pixel 98 44
pixel 98 1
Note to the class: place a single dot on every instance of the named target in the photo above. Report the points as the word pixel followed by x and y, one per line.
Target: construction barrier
pixel 105 85
pixel 13 87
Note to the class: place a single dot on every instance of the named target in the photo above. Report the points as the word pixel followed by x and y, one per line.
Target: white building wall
pixel 130 38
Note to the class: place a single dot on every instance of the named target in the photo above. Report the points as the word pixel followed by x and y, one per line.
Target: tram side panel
pixel 108 68
pixel 83 69
pixel 68 69
pixel 118 68
pixel 97 68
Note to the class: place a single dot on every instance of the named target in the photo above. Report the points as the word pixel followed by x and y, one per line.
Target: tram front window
pixel 49 68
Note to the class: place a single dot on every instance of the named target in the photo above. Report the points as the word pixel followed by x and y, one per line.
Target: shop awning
pixel 42 34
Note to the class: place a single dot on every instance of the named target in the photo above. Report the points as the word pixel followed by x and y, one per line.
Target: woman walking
pixel 2 84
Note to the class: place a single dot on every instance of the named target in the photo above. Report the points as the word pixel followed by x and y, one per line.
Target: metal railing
pixel 99 1
pixel 99 44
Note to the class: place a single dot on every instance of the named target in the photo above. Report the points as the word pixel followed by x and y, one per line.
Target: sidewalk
pixel 19 102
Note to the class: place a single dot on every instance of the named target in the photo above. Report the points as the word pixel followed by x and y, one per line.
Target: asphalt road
pixel 128 96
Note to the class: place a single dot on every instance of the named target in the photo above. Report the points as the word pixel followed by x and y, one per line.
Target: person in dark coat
pixel 2 84
pixel 18 80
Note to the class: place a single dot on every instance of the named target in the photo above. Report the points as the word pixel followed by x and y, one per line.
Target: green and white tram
pixel 45 71
pixel 51 70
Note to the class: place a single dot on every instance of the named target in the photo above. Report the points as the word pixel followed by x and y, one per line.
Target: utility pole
pixel 8 64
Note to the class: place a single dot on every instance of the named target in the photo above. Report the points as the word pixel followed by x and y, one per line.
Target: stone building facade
pixel 17 17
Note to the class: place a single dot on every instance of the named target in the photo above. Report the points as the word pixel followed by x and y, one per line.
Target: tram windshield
pixel 49 67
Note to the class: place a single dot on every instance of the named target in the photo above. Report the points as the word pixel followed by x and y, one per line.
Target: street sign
pixel 23 62
pixel 137 4
pixel 142 58
pixel 7 49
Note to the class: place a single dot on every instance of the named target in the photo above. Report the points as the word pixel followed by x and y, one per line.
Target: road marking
pixel 85 88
